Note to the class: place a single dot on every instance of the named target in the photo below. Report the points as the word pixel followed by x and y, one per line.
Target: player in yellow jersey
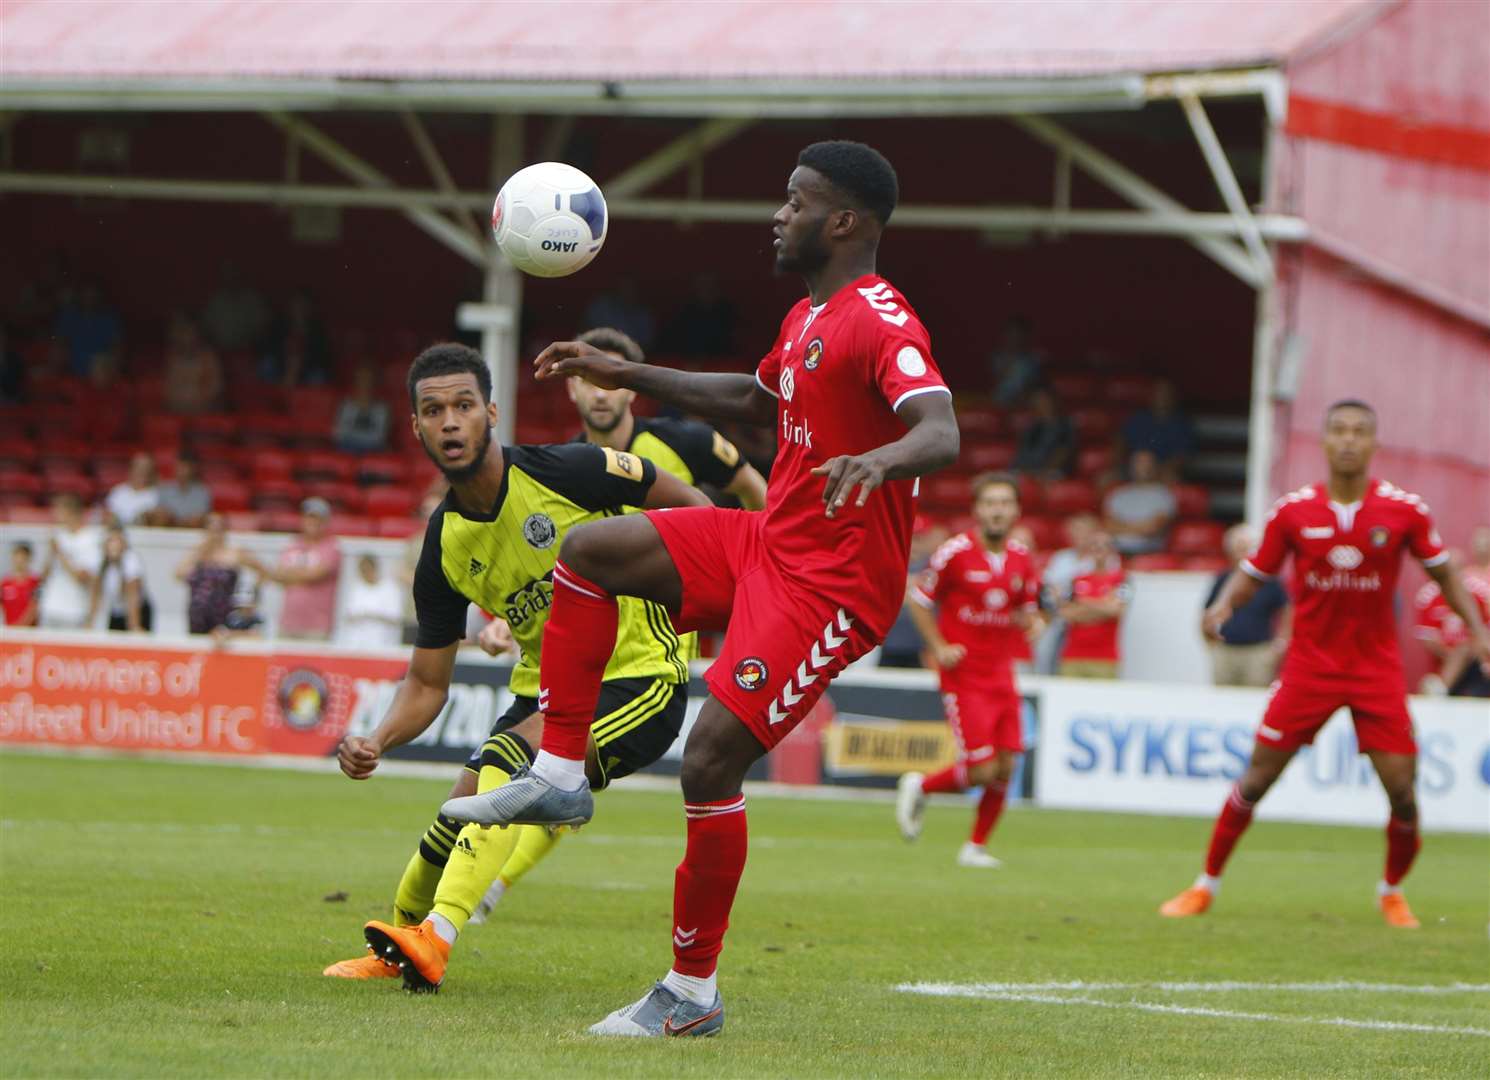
pixel 494 541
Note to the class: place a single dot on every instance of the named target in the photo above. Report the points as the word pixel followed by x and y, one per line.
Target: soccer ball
pixel 549 219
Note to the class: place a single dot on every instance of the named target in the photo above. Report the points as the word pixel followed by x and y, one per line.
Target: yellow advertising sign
pixel 889 749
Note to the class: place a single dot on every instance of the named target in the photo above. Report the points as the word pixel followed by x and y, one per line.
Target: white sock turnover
pixel 562 773
pixel 700 991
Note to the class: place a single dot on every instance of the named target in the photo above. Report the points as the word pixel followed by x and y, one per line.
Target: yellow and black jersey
pixel 503 561
pixel 689 449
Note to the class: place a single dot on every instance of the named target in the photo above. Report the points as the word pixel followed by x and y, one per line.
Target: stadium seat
pixel 230 496
pixel 272 465
pixel 344 498
pixel 212 428
pixel 31 515
pixel 242 521
pixel 59 468
pixel 14 481
pixel 351 525
pixel 1093 461
pixel 1048 532
pixel 1093 425
pixel 1192 500
pixel 946 490
pixel 273 495
pixel 158 430
pixel 110 472
pixel 327 465
pixel 389 501
pixel 1071 497
pixel 1207 564
pixel 269 428
pixel 217 472
pixel 983 456
pixel 400 528
pixel 282 521
pixel 1031 495
pixel 80 451
pixel 1129 391
pixel 381 469
pixel 72 484
pixel 315 404
pixel 981 421
pixel 1155 561
pixel 1196 538
pixel 1075 387
pixel 17 451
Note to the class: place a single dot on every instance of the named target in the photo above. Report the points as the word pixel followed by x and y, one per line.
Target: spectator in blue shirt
pixel 1254 639
pixel 87 328
pixel 1164 429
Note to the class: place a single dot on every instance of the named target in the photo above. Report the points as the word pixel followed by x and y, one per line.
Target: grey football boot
pixel 663 1013
pixel 526 799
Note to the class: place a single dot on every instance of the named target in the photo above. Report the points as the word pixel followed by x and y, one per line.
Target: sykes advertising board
pixel 1177 750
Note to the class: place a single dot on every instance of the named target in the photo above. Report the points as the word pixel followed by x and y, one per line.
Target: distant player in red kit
pixel 1347 537
pixel 984 590
pixel 802 589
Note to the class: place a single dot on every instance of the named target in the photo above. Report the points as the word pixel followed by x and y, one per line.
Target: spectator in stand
pixel 1060 571
pixel 307 569
pixel 621 309
pixel 1254 638
pixel 299 352
pixel 1094 610
pixel 1443 633
pixel 361 419
pixel 1016 363
pixel 185 502
pixel 210 573
pixel 705 325
pixel 1047 446
pixel 193 372
pixel 136 500
pixel 1139 512
pixel 372 615
pixel 86 327
pixel 72 566
pixel 18 588
pixel 119 586
pixel 1164 429
pixel 902 647
pixel 236 315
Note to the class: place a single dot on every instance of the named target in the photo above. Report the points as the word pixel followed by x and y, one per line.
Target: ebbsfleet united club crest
pixel 1380 535
pixel 302 697
pixel 814 355
pixel 750 673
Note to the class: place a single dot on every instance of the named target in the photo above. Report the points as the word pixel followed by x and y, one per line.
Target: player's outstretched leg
pixel 910 805
pixel 1398 773
pixel 1266 766
pixel 686 1001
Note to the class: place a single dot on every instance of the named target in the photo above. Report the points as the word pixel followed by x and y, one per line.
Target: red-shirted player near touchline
pixel 985 592
pixel 801 589
pixel 1347 537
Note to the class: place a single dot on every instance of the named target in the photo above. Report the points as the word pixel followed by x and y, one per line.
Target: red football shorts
pixel 783 641
pixel 1298 708
pixel 984 719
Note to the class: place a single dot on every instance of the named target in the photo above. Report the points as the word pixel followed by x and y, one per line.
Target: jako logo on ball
pixel 550 219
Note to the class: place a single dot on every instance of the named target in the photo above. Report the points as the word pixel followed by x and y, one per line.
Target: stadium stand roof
pixel 631 54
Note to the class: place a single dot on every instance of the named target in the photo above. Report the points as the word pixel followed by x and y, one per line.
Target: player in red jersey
pixel 802 589
pixel 1347 537
pixel 1444 634
pixel 985 591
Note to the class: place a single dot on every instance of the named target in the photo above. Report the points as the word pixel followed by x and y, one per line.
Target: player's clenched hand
pixel 846 473
pixel 358 757
pixel 495 638
pixel 948 655
pixel 1214 618
pixel 577 358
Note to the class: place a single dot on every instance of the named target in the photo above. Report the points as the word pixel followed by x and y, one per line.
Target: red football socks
pixel 705 883
pixel 577 644
pixel 1236 815
pixel 1403 843
pixel 946 781
pixel 990 806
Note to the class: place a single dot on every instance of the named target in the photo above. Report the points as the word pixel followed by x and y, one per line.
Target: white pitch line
pixel 1221 987
pixel 955 990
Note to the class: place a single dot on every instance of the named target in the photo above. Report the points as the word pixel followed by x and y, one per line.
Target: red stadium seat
pixel 16 422
pixel 351 525
pixel 110 472
pixel 1093 425
pixel 72 484
pixel 272 465
pixel 381 469
pixel 1071 497
pixel 276 495
pixel 31 515
pixel 212 428
pixel 1207 564
pixel 1031 495
pixel 1093 461
pixel 1196 538
pixel 218 472
pixel 1192 500
pixel 58 468
pixel 1130 391
pixel 17 451
pixel 344 498
pixel 14 481
pixel 983 456
pixel 269 428
pixel 1048 532
pixel 315 404
pixel 230 497
pixel 242 521
pixel 980 421
pixel 1074 387
pixel 400 528
pixel 389 501
pixel 80 451
pixel 327 465
pixel 158 430
pixel 282 521
pixel 1156 561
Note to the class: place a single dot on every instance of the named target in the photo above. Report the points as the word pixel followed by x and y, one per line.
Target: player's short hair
pixel 986 480
pixel 22 545
pixel 860 172
pixel 608 339
pixel 448 358
pixel 1350 403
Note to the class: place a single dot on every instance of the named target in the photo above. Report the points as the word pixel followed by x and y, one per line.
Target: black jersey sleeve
pixel 441 611
pixel 592 477
pixel 711 457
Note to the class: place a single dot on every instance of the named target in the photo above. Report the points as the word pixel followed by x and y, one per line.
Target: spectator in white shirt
pixel 373 612
pixel 67 581
pixel 137 500
pixel 119 587
pixel 1140 512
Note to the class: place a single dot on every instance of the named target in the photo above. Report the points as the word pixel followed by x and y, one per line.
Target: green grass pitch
pixel 172 920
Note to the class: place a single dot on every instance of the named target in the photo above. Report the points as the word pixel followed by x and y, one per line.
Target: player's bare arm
pixel 947 654
pixel 717 395
pixel 1238 591
pixel 932 443
pixel 749 487
pixel 667 490
pixel 420 698
pixel 1454 593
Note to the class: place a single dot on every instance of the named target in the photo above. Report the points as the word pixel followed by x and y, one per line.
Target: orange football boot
pixel 1396 912
pixel 363 967
pixel 417 951
pixel 1196 900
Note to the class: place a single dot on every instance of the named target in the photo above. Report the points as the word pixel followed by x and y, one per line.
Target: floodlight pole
pixel 503 287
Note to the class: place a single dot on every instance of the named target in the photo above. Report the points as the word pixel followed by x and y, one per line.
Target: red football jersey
pixel 15 596
pixel 839 371
pixel 1096 640
pixel 1346 559
pixel 1436 621
pixel 977 594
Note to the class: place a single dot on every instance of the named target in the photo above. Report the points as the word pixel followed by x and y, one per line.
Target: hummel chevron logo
pixel 835 635
pixel 883 301
pixel 477 567
pixel 683 939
